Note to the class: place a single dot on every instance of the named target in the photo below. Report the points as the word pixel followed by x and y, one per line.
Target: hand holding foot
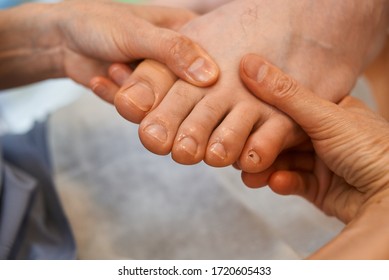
pixel 79 40
pixel 223 123
pixel 346 172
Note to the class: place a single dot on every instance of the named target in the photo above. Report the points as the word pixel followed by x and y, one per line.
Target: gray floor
pixel 126 203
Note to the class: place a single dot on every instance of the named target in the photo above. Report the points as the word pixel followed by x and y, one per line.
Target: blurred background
pixel 125 203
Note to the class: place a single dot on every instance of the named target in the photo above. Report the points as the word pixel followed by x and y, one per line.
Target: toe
pixel 227 141
pixel 144 90
pixel 193 135
pixel 159 128
pixel 266 143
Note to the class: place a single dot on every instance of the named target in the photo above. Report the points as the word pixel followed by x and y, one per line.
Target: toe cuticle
pixel 218 150
pixel 156 131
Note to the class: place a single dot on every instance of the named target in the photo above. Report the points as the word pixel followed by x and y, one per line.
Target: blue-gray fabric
pixel 10 3
pixel 32 222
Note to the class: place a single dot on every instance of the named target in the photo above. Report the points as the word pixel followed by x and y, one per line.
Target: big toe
pixel 144 90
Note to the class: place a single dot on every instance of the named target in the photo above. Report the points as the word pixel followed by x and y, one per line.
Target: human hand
pixel 346 172
pixel 80 39
pixel 223 123
pixel 115 32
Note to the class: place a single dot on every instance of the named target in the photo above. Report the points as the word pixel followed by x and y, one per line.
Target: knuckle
pixel 284 87
pixel 213 110
pixel 179 46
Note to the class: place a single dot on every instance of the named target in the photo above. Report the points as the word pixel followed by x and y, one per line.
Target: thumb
pixel 167 17
pixel 281 91
pixel 185 58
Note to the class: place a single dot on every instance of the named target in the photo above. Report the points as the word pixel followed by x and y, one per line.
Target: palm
pixel 332 194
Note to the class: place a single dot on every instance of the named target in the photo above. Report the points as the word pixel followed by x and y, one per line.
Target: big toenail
pixel 202 70
pixel 189 145
pixel 141 96
pixel 218 150
pixel 157 131
pixel 254 157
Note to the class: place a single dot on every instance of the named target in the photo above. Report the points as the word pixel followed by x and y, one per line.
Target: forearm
pixel 29 45
pixel 366 237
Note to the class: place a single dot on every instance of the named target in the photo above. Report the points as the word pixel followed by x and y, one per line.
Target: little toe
pixel 158 129
pixel 144 90
pixel 277 133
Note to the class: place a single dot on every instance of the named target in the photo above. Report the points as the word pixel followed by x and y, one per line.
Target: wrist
pixel 365 236
pixel 29 45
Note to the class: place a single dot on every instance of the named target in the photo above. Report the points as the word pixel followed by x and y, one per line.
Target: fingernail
pixel 255 68
pixel 157 131
pixel 254 157
pixel 141 96
pixel 99 89
pixel 202 70
pixel 119 75
pixel 218 150
pixel 189 145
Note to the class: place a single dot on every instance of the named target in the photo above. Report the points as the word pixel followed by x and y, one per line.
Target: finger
pixel 119 73
pixel 291 161
pixel 280 90
pixel 172 18
pixel 185 58
pixel 104 88
pixel 300 183
pixel 284 182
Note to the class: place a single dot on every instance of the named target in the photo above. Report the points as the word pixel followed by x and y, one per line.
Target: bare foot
pixel 376 75
pixel 225 123
pixel 198 6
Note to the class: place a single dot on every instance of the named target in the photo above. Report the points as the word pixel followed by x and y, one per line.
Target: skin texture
pixel 78 40
pixel 223 124
pixel 343 169
pixel 376 75
pixel 199 6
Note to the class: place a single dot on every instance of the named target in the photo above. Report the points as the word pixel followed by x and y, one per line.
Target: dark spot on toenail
pixel 254 157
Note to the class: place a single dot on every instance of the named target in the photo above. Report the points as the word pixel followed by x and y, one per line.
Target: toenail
pixel 189 145
pixel 141 96
pixel 254 157
pixel 218 150
pixel 157 131
pixel 202 70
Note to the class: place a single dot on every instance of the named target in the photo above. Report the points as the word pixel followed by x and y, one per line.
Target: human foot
pixel 224 123
pixel 198 6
